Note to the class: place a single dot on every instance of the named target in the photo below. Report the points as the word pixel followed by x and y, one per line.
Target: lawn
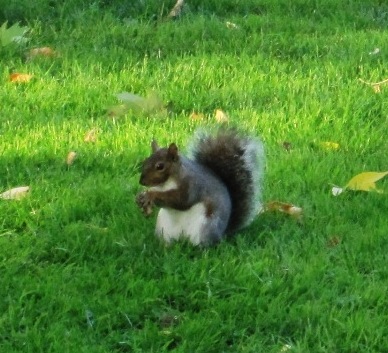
pixel 80 267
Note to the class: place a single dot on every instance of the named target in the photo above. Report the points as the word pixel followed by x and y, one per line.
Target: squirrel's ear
pixel 172 152
pixel 154 146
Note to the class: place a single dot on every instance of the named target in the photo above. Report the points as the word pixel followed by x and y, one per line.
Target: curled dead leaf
pixel 71 158
pixel 43 51
pixel 290 209
pixel 15 193
pixel 20 78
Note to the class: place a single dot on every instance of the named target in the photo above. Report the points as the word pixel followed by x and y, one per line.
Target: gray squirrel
pixel 214 193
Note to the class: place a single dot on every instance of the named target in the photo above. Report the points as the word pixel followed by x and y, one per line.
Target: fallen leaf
pixel 44 51
pixel 376 88
pixel 287 146
pixel 231 25
pixel 336 190
pixel 375 51
pixel 20 78
pixel 197 116
pixel 286 348
pixel 71 158
pixel 91 136
pixel 283 207
pixel 15 193
pixel 365 181
pixel 333 241
pixel 221 116
pixel 13 34
pixel 328 145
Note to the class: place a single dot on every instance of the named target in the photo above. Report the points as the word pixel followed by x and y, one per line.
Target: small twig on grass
pixel 375 85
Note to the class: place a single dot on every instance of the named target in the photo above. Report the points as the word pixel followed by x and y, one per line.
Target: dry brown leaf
pixel 283 207
pixel 91 136
pixel 20 78
pixel 71 158
pixel 221 116
pixel 43 51
pixel 287 146
pixel 15 193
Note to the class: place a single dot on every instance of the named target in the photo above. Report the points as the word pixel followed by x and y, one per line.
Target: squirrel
pixel 214 193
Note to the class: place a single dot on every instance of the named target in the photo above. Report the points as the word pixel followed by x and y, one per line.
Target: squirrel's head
pixel 160 165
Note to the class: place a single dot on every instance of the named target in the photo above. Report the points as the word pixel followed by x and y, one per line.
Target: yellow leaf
pixel 365 181
pixel 20 78
pixel 91 136
pixel 221 116
pixel 15 193
pixel 71 158
pixel 328 145
pixel 197 116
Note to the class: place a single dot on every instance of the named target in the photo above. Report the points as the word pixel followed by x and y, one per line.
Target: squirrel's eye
pixel 159 166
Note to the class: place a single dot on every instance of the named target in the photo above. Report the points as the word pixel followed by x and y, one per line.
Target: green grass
pixel 81 270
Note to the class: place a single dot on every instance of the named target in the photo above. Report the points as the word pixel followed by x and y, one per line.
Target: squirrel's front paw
pixel 145 202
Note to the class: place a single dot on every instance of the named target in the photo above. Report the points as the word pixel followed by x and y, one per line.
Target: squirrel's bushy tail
pixel 238 160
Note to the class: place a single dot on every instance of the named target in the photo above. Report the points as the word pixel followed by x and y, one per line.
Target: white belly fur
pixel 173 224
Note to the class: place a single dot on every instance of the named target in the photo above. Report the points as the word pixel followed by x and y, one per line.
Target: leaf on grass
pixel 15 193
pixel 142 105
pixel 231 25
pixel 221 116
pixel 287 146
pixel 290 209
pixel 336 190
pixel 375 51
pixel 71 158
pixel 44 51
pixel 333 241
pixel 197 116
pixel 286 348
pixel 13 34
pixel 20 78
pixel 91 136
pixel 365 181
pixel 328 145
